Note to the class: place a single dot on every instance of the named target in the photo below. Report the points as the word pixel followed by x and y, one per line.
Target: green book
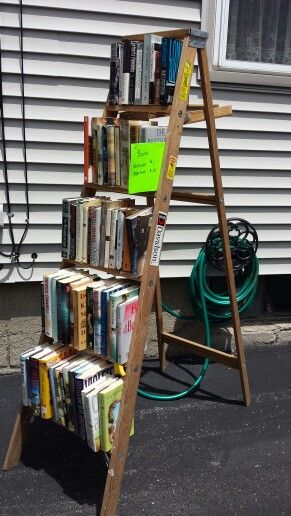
pixel 109 405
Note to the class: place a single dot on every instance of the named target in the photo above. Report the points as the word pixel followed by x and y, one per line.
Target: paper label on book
pixel 172 167
pixel 186 80
pixel 158 239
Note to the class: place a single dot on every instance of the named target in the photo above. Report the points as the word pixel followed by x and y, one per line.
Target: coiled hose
pixel 213 307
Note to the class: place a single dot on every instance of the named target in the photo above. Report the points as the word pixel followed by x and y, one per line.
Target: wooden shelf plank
pixel 198 115
pixel 66 262
pixel 203 351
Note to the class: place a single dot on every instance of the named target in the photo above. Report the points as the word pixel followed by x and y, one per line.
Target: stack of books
pixel 144 72
pixel 110 147
pixel 105 233
pixel 77 391
pixel 83 311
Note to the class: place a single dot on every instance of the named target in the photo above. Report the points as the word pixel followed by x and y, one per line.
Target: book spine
pixel 94 151
pixel 119 240
pixel 117 155
pixel 104 155
pixel 79 386
pixel 157 74
pixel 46 411
pixel 91 414
pixel 53 392
pixel 61 399
pixel 131 92
pixel 85 235
pixel 24 382
pixel 63 313
pixel 138 73
pixel 120 83
pixel 46 306
pixel 34 385
pixel 146 69
pixel 102 233
pixel 113 81
pixel 124 152
pixel 90 215
pixel 99 155
pixel 113 337
pixel 164 51
pixel 107 237
pixel 98 225
pixel 90 317
pixel 126 72
pixel 72 254
pixel 96 322
pixel 112 242
pixel 80 319
pixel 42 313
pixel 65 229
pixel 71 402
pixel 79 232
pixel 104 299
pixel 93 237
pixel 111 155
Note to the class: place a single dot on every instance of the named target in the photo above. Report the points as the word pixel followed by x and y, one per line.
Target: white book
pixel 112 242
pixel 125 317
pixel 114 300
pixel 91 410
pixel 138 73
pixel 95 235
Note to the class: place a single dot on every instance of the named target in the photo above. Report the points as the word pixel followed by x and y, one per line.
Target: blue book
pixel 170 60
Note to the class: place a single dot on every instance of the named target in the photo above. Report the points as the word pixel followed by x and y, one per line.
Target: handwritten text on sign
pixel 145 166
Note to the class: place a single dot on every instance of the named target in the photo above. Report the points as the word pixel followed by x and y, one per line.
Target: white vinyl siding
pixel 66 65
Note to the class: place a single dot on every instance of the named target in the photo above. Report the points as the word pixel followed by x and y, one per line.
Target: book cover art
pixel 125 317
pixel 109 406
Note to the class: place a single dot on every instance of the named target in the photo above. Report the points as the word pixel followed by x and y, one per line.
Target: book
pixel 54 384
pixel 95 213
pixel 170 59
pixel 76 314
pixel 24 358
pixel 124 76
pixel 117 155
pixel 152 133
pixel 85 218
pixel 137 228
pixel 104 154
pixel 111 154
pixel 138 72
pixel 47 277
pixel 99 151
pixel 46 404
pixel 114 74
pixel 155 87
pixel 70 392
pixel 125 316
pixel 104 294
pixel 90 311
pixel 131 85
pixel 65 229
pixel 114 300
pixel 79 227
pixel 151 43
pixel 80 317
pixel 109 406
pixel 91 410
pixel 113 237
pixel 33 371
pixel 97 314
pixel 106 205
pixel 65 410
pixel 94 161
pixel 64 273
pixel 83 380
pixel 63 307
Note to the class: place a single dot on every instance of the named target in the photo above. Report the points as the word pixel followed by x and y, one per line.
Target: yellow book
pixel 46 403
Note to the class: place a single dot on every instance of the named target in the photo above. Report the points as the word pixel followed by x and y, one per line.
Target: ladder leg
pixel 21 425
pixel 214 156
pixel 148 283
pixel 159 324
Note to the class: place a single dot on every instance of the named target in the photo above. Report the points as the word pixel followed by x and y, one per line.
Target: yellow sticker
pixel 172 167
pixel 185 86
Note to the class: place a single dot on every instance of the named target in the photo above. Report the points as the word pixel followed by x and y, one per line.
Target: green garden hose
pixel 213 307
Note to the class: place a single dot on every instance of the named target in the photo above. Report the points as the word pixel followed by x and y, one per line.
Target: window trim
pixel 214 19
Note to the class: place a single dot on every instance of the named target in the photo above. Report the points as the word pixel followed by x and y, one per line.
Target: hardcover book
pixel 114 300
pixel 138 227
pixel 151 43
pixel 125 317
pixel 109 406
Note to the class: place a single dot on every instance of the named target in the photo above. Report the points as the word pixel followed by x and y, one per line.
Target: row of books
pixel 77 391
pixel 144 72
pixel 107 233
pixel 83 310
pixel 111 139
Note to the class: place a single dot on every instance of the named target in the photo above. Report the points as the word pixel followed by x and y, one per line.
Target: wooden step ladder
pixel 180 114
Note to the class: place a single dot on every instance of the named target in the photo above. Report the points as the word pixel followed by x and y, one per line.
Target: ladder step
pixel 203 351
pixel 198 115
pixel 200 198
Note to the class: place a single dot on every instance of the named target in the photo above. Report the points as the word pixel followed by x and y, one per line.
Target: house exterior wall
pixel 66 66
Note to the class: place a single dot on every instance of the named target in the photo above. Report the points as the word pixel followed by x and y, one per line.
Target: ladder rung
pixel 203 351
pixel 198 115
pixel 200 198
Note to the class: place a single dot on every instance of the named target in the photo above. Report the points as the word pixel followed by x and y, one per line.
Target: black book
pixel 133 47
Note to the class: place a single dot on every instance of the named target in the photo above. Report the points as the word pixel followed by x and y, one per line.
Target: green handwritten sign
pixel 145 167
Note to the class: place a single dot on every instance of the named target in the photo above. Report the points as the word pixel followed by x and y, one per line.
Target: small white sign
pixel 158 239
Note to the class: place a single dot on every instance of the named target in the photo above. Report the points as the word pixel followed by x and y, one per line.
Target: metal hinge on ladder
pixel 197 38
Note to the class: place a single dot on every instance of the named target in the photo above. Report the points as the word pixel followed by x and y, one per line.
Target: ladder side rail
pixel 149 278
pixel 216 172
